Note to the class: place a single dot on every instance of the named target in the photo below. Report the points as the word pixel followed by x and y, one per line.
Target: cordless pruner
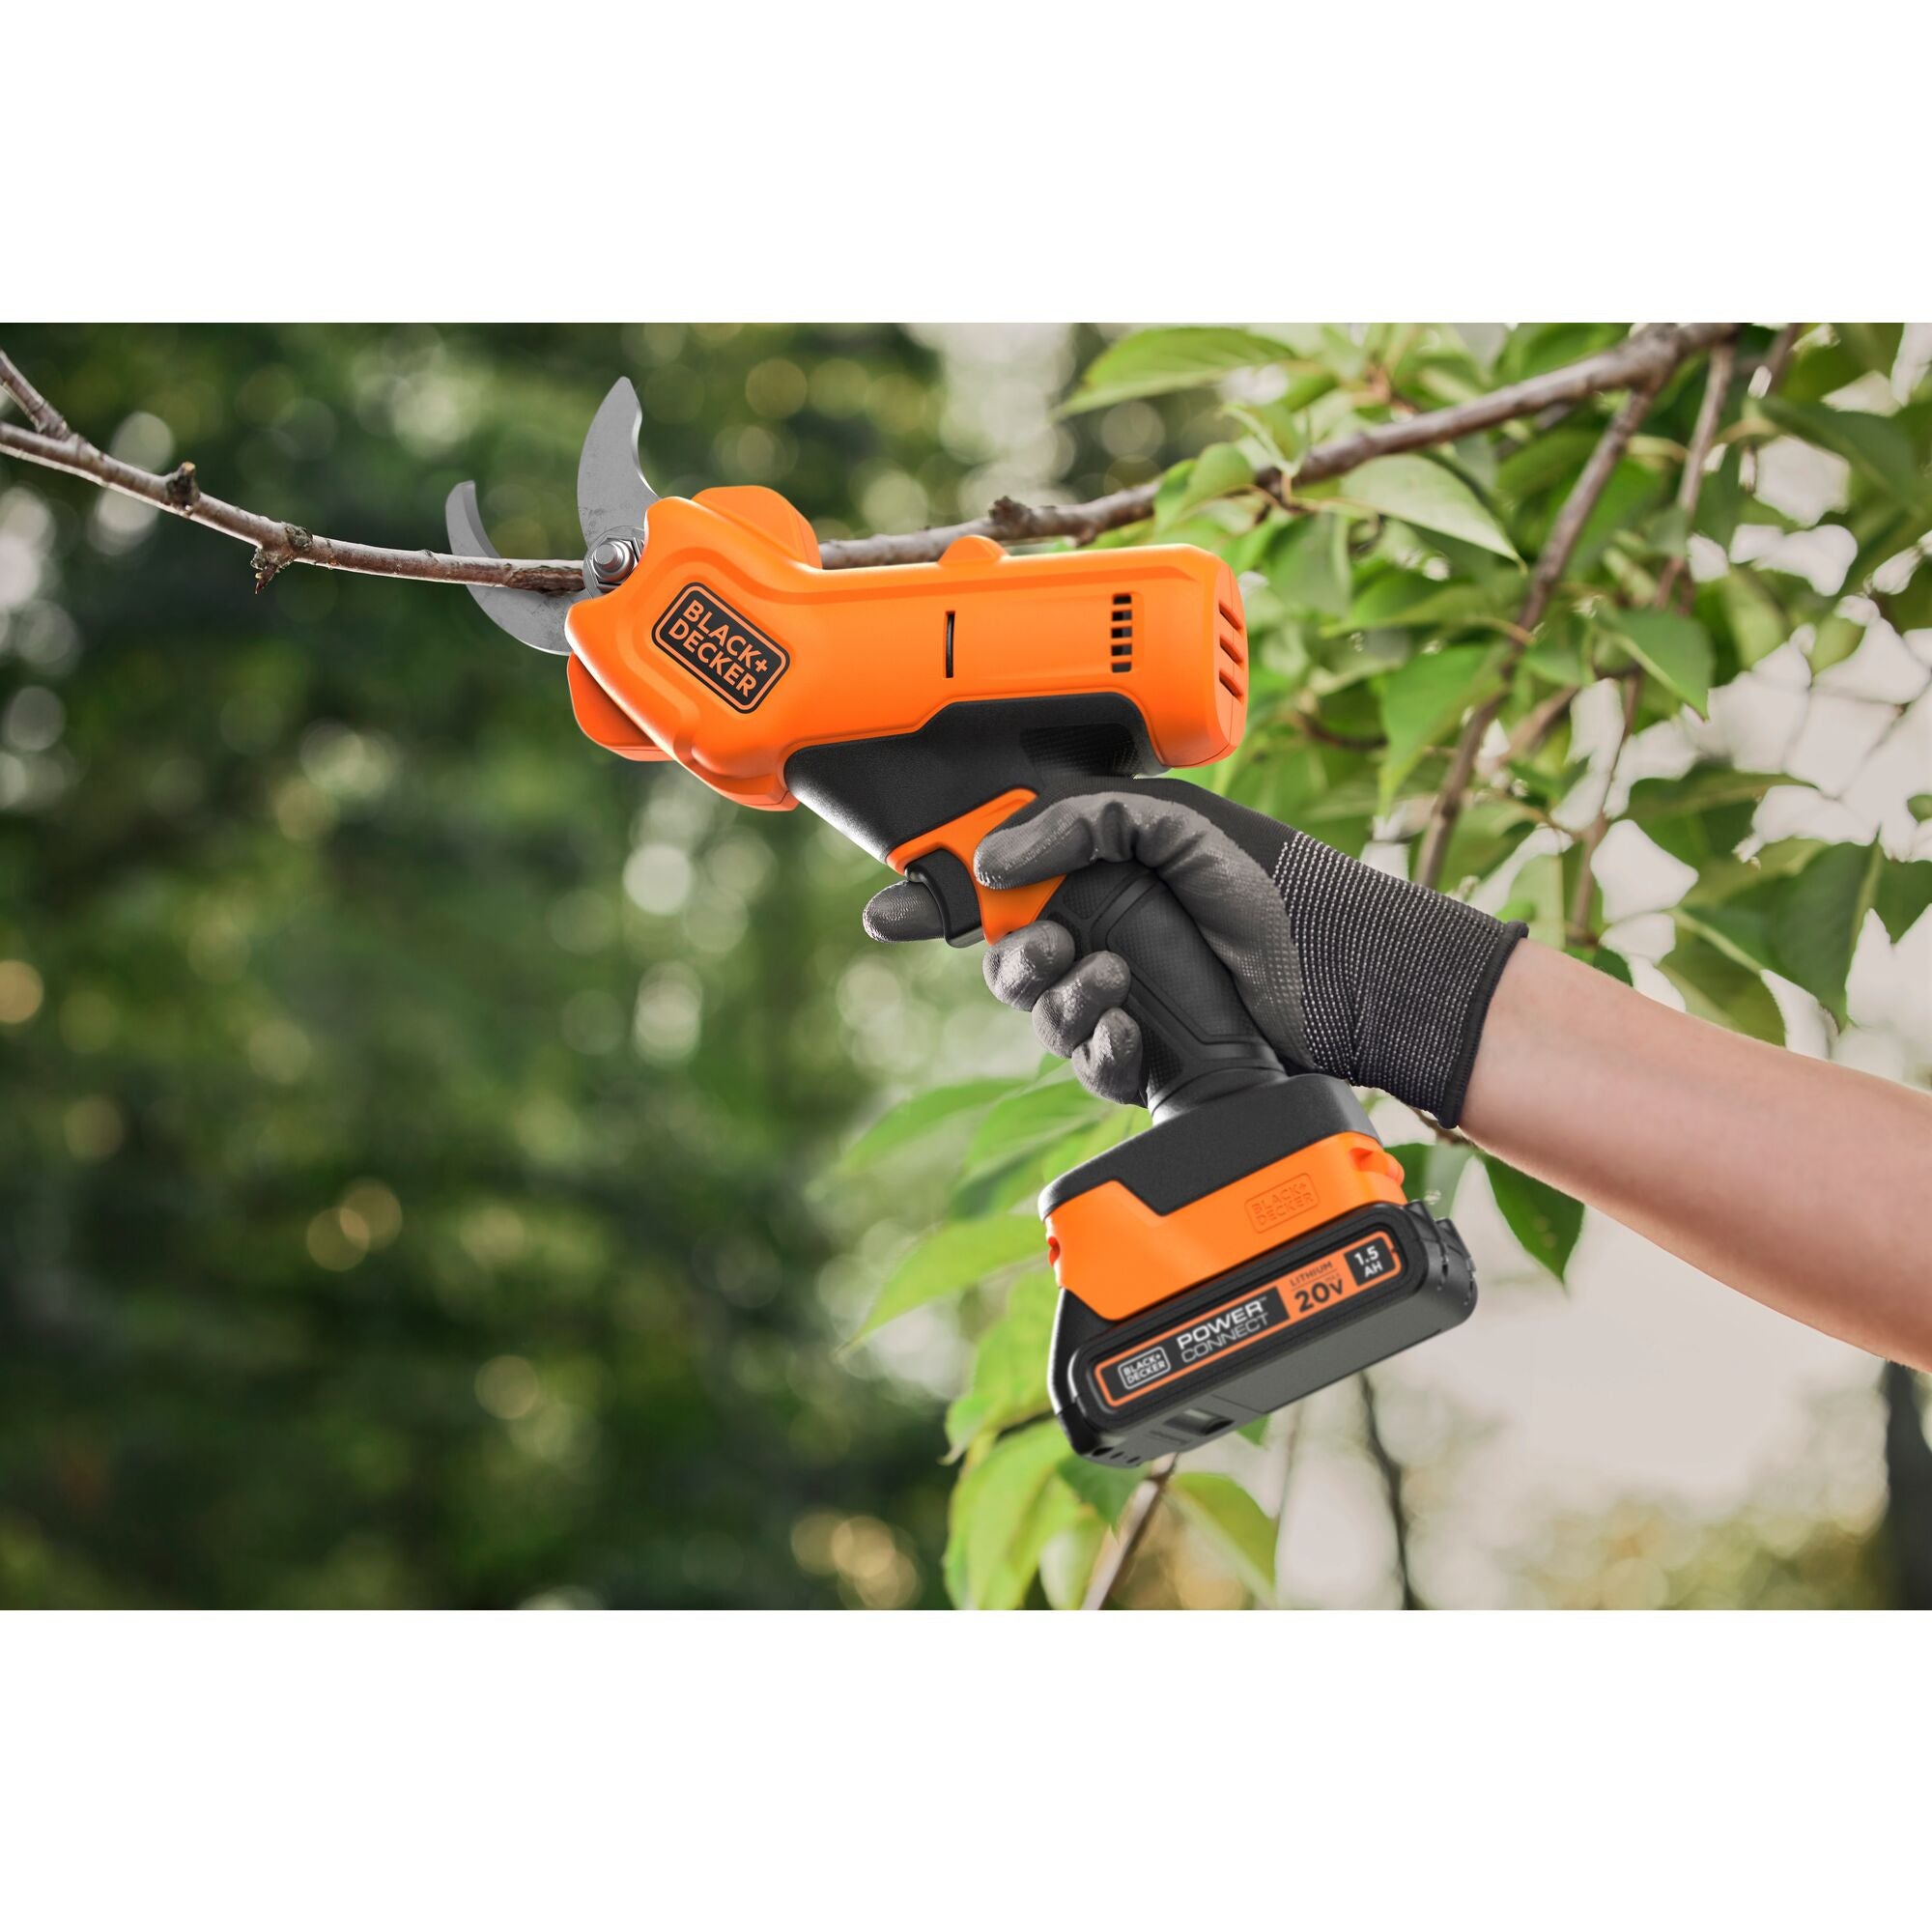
pixel 1253 1244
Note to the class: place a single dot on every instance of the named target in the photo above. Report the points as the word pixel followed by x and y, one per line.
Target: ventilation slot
pixel 1120 633
pixel 1231 638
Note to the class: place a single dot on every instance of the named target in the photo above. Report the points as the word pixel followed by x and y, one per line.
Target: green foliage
pixel 1154 361
pixel 1545 1219
pixel 394 1211
pixel 1235 1522
pixel 954 1258
pixel 1674 650
pixel 1380 608
pixel 1429 496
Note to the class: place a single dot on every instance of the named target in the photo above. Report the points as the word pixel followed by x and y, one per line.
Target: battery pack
pixel 1231 1261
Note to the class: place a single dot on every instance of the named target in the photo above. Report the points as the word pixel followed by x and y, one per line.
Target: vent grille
pixel 1231 641
pixel 1120 633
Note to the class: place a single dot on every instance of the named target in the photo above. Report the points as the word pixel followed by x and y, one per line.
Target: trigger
pixel 955 891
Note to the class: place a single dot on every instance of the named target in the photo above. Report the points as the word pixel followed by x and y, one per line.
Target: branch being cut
pixel 276 545
pixel 1647 357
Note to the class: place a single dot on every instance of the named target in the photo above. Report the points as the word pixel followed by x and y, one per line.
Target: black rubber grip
pixel 1198 1040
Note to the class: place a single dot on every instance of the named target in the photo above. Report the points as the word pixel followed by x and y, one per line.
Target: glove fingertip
pixel 903 911
pixel 1108 1062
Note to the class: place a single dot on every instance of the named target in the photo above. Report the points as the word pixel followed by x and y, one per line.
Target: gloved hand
pixel 1346 970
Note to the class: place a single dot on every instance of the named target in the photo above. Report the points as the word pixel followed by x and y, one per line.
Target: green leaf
pixel 950 1261
pixel 1817 370
pixel 1007 1507
pixel 1010 1364
pixel 1155 362
pixel 1067 1562
pixel 1218 471
pixel 1308 566
pixel 1428 495
pixel 1703 816
pixel 1758 622
pixel 1422 699
pixel 1614 964
pixel 1432 1169
pixel 1873 445
pixel 1234 1522
pixel 1720 501
pixel 1818 915
pixel 1904 892
pixel 1546 1220
pixel 1410 601
pixel 1836 640
pixel 913 1119
pixel 1874 344
pixel 1029 1116
pixel 1702 789
pixel 1101 1488
pixel 1018 1175
pixel 1919 805
pixel 1675 650
pixel 1721 989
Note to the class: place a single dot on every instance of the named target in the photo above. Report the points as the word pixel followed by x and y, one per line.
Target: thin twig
pixel 1543 579
pixel 1291 1444
pixel 1690 486
pixel 1778 354
pixel 1535 726
pixel 1141 1507
pixel 1717 387
pixel 1646 358
pixel 1393 1476
pixel 41 412
pixel 1580 930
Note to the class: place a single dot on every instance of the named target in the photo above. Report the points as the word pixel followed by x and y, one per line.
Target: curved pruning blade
pixel 612 494
pixel 533 618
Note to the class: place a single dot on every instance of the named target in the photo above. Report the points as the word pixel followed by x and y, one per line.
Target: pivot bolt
pixel 611 560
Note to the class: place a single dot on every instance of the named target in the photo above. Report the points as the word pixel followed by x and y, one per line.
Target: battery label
pixel 1246 1319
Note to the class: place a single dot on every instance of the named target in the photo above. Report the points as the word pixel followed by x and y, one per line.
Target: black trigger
pixel 954 891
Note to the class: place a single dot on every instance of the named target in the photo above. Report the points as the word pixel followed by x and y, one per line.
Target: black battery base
pixel 1236 1347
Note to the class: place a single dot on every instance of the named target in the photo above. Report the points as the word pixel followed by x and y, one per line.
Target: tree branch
pixel 276 545
pixel 41 412
pixel 1141 1507
pixel 1647 357
pixel 1543 579
pixel 1393 1476
pixel 1717 387
pixel 1690 485
pixel 1578 930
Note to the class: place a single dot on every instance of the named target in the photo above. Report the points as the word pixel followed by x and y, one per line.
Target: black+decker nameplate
pixel 721 647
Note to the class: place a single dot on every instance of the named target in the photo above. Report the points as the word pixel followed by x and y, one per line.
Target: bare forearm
pixel 1790 1179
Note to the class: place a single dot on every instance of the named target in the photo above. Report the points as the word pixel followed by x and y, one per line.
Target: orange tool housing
pixel 872 653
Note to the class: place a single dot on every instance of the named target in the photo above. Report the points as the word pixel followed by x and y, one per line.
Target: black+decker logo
pixel 734 656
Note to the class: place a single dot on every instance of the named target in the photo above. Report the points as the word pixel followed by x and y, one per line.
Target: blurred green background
pixel 415 1124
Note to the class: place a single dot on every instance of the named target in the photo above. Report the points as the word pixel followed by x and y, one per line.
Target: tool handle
pixel 1198 1040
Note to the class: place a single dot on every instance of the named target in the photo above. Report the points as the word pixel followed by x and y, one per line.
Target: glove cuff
pixel 1397 980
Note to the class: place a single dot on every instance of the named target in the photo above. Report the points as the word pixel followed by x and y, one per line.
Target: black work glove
pixel 1347 970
